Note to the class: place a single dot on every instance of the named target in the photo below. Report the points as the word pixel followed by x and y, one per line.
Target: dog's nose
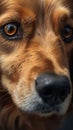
pixel 52 87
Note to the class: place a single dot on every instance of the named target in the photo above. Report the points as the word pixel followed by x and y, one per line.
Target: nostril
pixel 64 90
pixel 52 87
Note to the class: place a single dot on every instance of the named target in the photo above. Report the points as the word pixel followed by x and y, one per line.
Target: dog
pixel 36 44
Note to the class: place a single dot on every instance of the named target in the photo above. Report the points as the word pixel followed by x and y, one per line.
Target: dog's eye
pixel 12 31
pixel 67 34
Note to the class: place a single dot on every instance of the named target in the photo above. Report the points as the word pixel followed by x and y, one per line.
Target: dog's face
pixel 36 40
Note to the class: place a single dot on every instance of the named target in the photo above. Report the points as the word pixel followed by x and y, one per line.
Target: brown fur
pixel 40 50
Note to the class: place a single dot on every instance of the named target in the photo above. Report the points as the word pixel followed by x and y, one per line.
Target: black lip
pixel 44 109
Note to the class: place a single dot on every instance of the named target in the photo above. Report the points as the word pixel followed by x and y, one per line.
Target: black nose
pixel 52 87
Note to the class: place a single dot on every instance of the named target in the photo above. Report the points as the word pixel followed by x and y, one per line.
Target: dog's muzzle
pixel 51 95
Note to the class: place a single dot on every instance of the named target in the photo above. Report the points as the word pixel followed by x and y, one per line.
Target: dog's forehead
pixel 27 7
pixel 23 3
pixel 29 3
pixel 18 5
pixel 37 5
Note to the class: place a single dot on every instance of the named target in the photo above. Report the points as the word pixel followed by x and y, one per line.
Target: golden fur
pixel 40 49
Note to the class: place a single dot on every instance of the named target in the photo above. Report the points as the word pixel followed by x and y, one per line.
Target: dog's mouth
pixel 39 107
pixel 43 108
pixel 51 95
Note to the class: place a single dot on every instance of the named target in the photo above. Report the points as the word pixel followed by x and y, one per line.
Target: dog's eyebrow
pixel 3 7
pixel 15 15
pixel 60 13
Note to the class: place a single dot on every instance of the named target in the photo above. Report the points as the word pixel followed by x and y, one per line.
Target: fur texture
pixel 36 47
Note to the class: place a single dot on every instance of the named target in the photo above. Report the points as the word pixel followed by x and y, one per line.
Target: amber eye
pixel 67 34
pixel 10 29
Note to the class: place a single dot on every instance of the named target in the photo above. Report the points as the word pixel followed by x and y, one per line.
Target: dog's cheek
pixel 10 87
pixel 71 65
pixel 18 91
pixel 69 51
pixel 7 84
